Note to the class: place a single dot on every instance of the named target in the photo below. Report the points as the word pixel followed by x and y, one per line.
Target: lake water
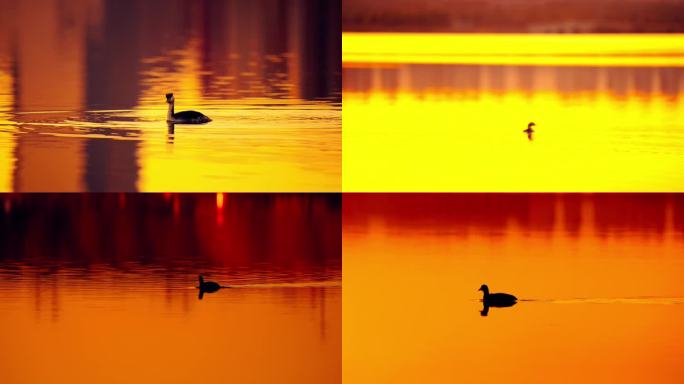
pixel 82 87
pixel 101 288
pixel 435 112
pixel 599 278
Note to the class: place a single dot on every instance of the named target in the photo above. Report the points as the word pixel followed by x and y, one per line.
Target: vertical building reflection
pixel 48 57
pixel 271 48
pixel 113 82
pixel 321 50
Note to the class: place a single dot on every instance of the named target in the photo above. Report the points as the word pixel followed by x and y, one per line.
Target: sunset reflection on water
pixel 599 278
pixel 94 118
pixel 456 124
pixel 101 287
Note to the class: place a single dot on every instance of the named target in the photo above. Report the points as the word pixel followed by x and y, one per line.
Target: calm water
pixel 100 288
pixel 82 87
pixel 599 275
pixel 446 112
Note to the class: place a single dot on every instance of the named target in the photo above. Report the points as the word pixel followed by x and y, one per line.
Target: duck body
pixel 184 117
pixel 529 129
pixel 209 286
pixel 189 117
pixel 497 299
pixel 500 300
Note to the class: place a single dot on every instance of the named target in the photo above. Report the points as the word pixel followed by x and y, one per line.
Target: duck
pixel 529 128
pixel 496 299
pixel 185 117
pixel 208 286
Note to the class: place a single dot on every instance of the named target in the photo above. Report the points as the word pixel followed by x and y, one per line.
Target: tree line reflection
pixel 471 79
pixel 96 53
pixel 288 236
pixel 572 214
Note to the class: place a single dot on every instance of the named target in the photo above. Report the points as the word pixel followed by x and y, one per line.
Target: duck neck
pixel 169 115
pixel 485 293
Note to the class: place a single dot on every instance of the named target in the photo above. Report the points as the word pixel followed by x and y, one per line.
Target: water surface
pixel 82 104
pixel 599 277
pixel 445 112
pixel 101 288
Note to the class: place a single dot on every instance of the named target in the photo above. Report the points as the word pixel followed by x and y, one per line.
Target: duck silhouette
pixel 208 287
pixel 495 300
pixel 529 130
pixel 185 117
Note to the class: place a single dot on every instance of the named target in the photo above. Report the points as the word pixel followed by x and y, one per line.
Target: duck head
pixel 169 98
pixel 530 125
pixel 484 288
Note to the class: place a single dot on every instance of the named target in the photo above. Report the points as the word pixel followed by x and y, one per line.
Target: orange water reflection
pixel 445 126
pixel 101 288
pixel 82 107
pixel 603 273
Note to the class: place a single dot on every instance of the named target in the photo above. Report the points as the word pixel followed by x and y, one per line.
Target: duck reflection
pixel 171 133
pixel 485 307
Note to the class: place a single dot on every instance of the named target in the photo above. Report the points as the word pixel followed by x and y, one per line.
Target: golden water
pixel 446 112
pixel 82 104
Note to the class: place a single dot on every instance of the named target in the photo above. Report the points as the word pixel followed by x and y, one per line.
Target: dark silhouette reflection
pixel 171 133
pixel 111 165
pixel 485 307
pixel 497 300
pixel 208 287
pixel 112 78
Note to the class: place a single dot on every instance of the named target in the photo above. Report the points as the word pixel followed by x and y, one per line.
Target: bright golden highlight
pixel 520 49
pixel 406 142
pixel 7 146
